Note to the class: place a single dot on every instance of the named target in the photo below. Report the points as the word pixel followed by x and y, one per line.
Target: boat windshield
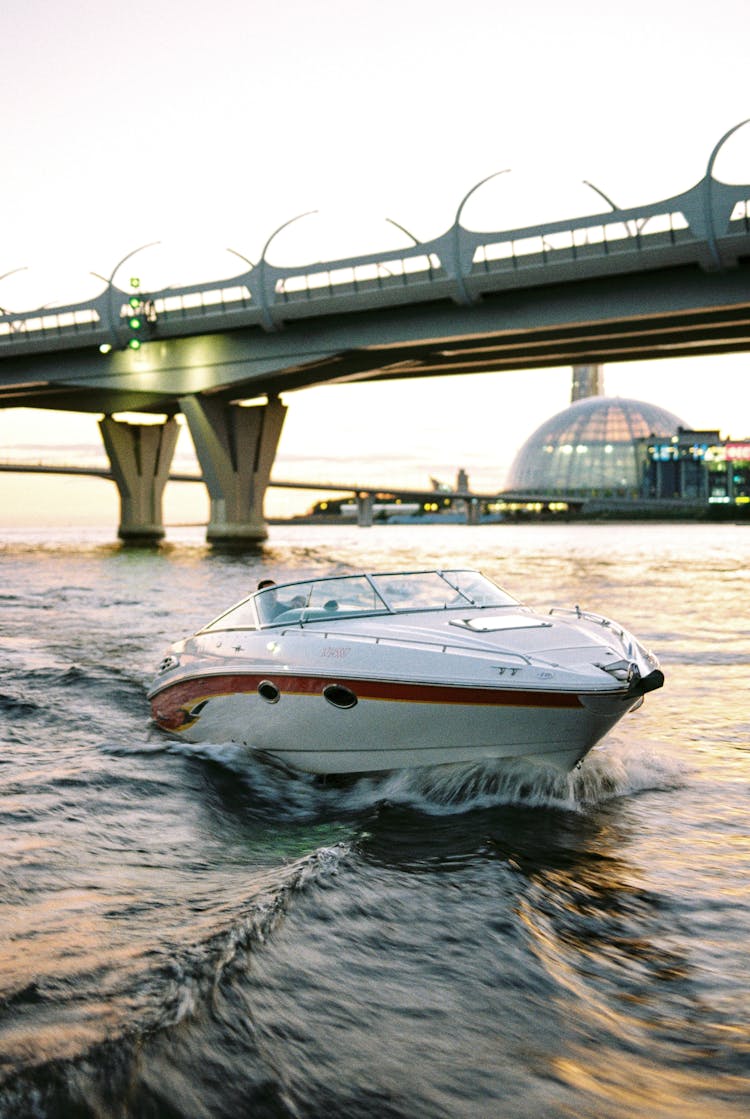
pixel 440 590
pixel 347 596
pixel 320 598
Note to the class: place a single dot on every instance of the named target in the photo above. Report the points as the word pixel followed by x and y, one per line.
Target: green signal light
pixel 135 282
pixel 134 323
pixel 134 344
pixel 134 301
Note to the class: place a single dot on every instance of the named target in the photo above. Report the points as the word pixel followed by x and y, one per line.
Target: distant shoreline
pixel 707 514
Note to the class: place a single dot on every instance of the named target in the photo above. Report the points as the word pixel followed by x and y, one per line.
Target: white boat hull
pixel 392 725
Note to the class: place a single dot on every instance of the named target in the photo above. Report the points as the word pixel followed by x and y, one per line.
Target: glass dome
pixel 591 447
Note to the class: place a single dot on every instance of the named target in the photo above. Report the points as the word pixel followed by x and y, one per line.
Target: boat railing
pixel 589 616
pixel 443 646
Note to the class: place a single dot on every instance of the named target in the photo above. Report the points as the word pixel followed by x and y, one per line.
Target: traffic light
pixel 137 314
pixel 135 322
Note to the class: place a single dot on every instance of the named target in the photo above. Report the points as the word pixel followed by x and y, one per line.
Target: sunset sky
pixel 205 127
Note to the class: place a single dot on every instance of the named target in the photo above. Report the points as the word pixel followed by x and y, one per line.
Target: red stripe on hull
pixel 171 707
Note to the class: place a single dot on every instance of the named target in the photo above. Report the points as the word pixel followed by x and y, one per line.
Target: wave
pixel 17 707
pixel 117 688
pixel 194 975
pixel 272 789
pixel 713 658
pixel 608 771
pixel 107 1077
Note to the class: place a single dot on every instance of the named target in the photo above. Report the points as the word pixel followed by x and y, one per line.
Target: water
pixel 186 932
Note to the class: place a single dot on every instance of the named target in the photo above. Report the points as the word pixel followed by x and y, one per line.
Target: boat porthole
pixel 339 696
pixel 268 691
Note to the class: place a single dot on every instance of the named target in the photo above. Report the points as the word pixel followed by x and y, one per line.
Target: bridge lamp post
pixel 465 297
pixel 4 276
pixel 268 321
pixel 249 263
pixel 708 202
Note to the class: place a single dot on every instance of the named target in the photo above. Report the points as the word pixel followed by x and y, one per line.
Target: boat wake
pixel 181 994
pixel 606 773
pixel 609 771
pixel 194 976
pixel 267 787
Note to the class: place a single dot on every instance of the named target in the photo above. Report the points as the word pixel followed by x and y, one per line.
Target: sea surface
pixel 188 932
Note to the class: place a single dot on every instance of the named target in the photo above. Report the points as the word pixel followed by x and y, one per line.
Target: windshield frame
pixel 256 611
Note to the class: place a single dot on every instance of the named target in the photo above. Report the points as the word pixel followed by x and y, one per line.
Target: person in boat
pixel 270 606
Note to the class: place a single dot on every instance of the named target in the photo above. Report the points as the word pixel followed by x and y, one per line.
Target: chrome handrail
pixel 589 616
pixel 444 646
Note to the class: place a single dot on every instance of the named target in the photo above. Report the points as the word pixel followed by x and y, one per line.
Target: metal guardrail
pixel 708 225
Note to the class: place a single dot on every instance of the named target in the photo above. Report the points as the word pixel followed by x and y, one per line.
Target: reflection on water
pixel 190 932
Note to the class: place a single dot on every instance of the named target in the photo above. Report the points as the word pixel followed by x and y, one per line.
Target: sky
pixel 206 126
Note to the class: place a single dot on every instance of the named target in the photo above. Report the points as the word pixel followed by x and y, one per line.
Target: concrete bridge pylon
pixel 140 456
pixel 236 446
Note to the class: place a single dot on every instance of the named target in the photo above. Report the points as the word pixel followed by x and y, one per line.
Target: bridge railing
pixel 63 321
pixel 708 225
pixel 578 241
pixel 202 301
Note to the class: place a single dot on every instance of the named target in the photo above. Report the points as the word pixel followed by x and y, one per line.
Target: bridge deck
pixel 663 279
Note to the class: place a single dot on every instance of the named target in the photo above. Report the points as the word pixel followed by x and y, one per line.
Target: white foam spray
pixel 609 771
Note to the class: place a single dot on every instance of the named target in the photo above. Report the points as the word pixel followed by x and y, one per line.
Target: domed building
pixel 595 447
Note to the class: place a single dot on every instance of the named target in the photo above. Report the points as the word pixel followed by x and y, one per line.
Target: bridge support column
pixel 365 503
pixel 473 512
pixel 140 456
pixel 236 447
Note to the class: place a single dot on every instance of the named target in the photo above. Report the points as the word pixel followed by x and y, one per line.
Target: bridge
pixel 364 496
pixel 664 279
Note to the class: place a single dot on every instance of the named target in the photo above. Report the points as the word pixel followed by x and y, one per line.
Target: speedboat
pixel 370 672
